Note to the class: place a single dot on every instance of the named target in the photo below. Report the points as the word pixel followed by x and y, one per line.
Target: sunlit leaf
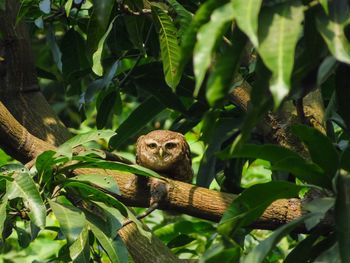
pixel 332 29
pixel 280 27
pixel 259 252
pixel 184 16
pixel 45 6
pixel 246 207
pixel 24 187
pixel 3 215
pixel 68 7
pixel 79 251
pixel 169 47
pixel 106 182
pixel 207 38
pixel 70 218
pixel 246 14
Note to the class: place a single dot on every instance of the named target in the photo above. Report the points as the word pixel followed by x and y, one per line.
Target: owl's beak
pixel 161 152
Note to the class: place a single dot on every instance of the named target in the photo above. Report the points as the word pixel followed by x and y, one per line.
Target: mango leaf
pixel 97 67
pixel 71 220
pixel 98 23
pixel 65 149
pixel 184 17
pixel 105 182
pixel 106 232
pixel 246 14
pixel 189 37
pixel 140 117
pixel 68 6
pixel 105 106
pixel 74 59
pixel 87 162
pixel 2 6
pixel 320 147
pixel 221 78
pixel 3 215
pixel 55 50
pixel 332 29
pixel 259 252
pixel 342 214
pixel 79 251
pixel 24 187
pixel 345 160
pixel 280 27
pixel 218 253
pixel 207 38
pixel 169 47
pixel 91 193
pixel 23 237
pixel 246 207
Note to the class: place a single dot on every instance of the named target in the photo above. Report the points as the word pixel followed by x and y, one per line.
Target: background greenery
pixel 135 66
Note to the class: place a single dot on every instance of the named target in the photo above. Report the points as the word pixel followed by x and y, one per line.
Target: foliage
pixel 134 66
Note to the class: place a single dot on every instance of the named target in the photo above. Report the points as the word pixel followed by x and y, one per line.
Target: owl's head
pixel 159 149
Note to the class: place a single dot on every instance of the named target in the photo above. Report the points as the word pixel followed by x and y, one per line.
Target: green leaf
pixel 342 214
pixel 246 14
pixel 246 207
pixel 259 252
pixel 55 50
pixel 122 167
pixel 97 67
pixel 68 6
pixel 98 23
pixel 23 237
pixel 332 29
pixel 91 193
pixel 221 78
pixel 44 162
pixel 24 187
pixel 137 119
pixel 105 107
pixel 105 182
pixel 79 251
pixel 280 27
pixel 2 8
pixel 180 240
pixel 218 253
pixel 345 159
pixel 3 215
pixel 114 247
pixel 70 218
pixel 74 59
pixel 184 16
pixel 169 47
pixel 65 149
pixel 207 38
pixel 320 147
pixel 189 37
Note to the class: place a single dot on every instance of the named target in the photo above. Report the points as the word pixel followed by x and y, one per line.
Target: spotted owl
pixel 166 152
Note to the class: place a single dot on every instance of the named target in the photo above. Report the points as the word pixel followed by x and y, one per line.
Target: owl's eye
pixel 170 145
pixel 152 145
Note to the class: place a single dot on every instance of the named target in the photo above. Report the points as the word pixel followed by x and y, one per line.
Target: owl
pixel 166 152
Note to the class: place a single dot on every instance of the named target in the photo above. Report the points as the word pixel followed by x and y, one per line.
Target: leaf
pixel 2 8
pixel 246 14
pixel 97 67
pixel 23 237
pixel 88 162
pixel 65 149
pixel 92 193
pixel 332 28
pixel 98 23
pixel 45 6
pixel 218 253
pixel 68 6
pixel 74 58
pixel 184 17
pixel 55 50
pixel 79 251
pixel 207 38
pixel 280 27
pixel 342 214
pixel 246 207
pixel 105 182
pixel 345 159
pixel 24 187
pixel 106 108
pixel 114 248
pixel 320 147
pixel 189 37
pixel 3 215
pixel 137 119
pixel 169 47
pixel 220 79
pixel 259 252
pixel 180 240
pixel 70 218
